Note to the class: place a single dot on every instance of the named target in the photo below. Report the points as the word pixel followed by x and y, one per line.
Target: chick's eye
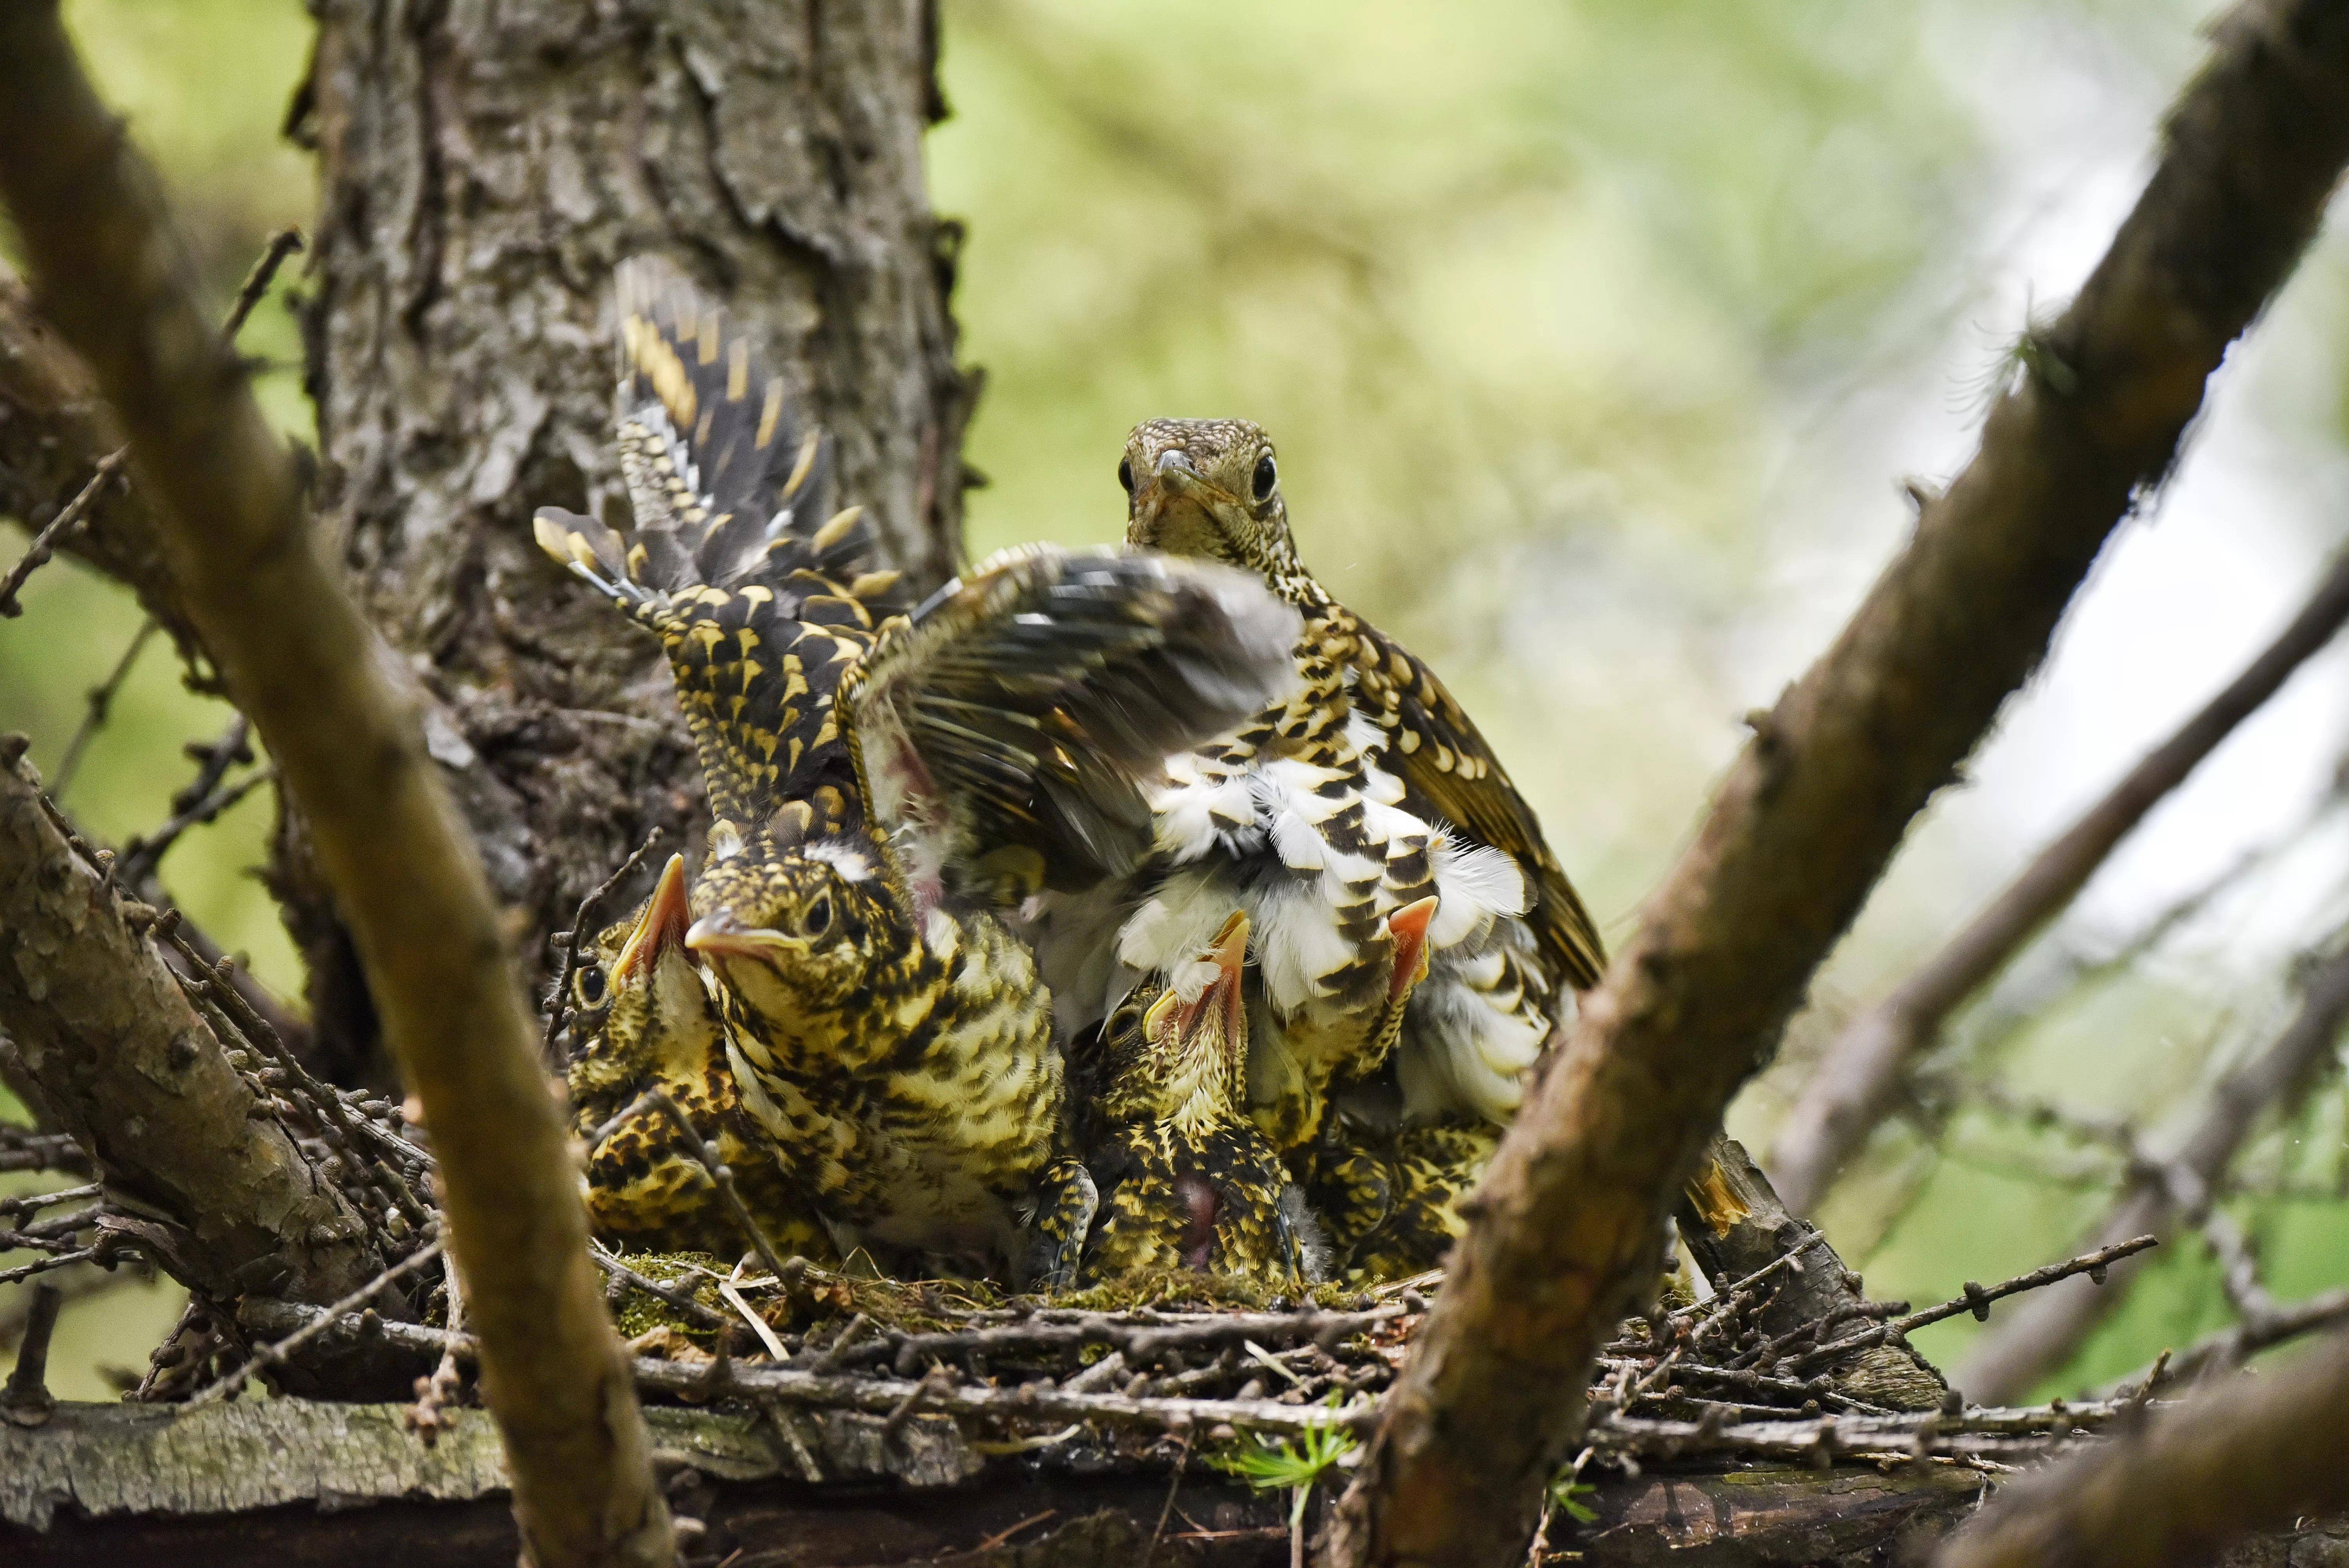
pixel 818 916
pixel 1267 476
pixel 1125 475
pixel 589 985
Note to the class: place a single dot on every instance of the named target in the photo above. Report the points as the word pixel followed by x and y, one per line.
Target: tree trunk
pixel 482 169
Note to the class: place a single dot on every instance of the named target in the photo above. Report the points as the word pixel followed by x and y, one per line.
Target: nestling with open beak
pixel 661 1030
pixel 889 781
pixel 1185 1178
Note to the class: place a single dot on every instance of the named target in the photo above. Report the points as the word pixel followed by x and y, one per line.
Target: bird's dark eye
pixel 818 916
pixel 588 983
pixel 1267 476
pixel 1125 475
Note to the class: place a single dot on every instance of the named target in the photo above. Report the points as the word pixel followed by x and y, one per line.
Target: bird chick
pixel 1183 1178
pixel 1390 1195
pixel 889 782
pixel 646 1190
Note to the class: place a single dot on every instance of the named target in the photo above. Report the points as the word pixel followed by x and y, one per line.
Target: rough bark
pixel 1857 1082
pixel 1735 1224
pixel 2041 1335
pixel 483 168
pixel 53 429
pixel 115 277
pixel 117 1055
pixel 1563 1240
pixel 296 1484
pixel 236 1482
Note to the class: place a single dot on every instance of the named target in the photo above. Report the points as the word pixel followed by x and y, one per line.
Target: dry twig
pixel 2037 1339
pixel 1856 1083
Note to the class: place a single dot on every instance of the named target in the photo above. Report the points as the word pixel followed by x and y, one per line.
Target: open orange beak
pixel 1220 1002
pixel 1408 926
pixel 660 927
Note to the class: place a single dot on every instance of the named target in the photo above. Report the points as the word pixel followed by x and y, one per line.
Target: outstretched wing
pixel 761 593
pixel 1002 732
pixel 1448 772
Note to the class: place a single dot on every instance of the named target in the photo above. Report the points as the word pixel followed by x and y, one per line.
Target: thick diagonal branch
pixel 1857 1082
pixel 1566 1235
pixel 119 1058
pixel 299 661
pixel 2039 1338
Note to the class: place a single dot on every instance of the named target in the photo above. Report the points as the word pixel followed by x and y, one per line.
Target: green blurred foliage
pixel 1594 336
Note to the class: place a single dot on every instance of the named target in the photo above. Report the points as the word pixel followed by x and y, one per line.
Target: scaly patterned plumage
pixel 1390 1196
pixel 645 1191
pixel 890 1030
pixel 886 784
pixel 1174 1174
pixel 1362 793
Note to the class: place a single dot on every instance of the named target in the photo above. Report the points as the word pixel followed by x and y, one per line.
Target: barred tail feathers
pixel 761 594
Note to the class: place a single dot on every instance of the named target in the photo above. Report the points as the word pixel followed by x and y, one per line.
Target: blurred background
pixel 1597 339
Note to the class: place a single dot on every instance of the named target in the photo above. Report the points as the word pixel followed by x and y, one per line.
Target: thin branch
pixel 2195 1198
pixel 574 943
pixel 57 1261
pixel 275 1354
pixel 29 1148
pixel 2251 1455
pixel 2038 1340
pixel 143 856
pixel 100 703
pixel 282 244
pixel 706 1155
pixel 26 1400
pixel 682 1300
pixel 36 555
pixel 1857 1082
pixel 1563 1240
pixel 296 658
pixel 1976 1299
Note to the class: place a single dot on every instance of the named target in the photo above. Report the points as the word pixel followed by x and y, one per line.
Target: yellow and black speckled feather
pixel 886 782
pixel 1390 1200
pixel 646 1187
pixel 761 594
pixel 1185 1179
pixel 1450 773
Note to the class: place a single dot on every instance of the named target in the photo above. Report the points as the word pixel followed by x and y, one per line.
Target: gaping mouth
pixel 1218 1004
pixel 660 927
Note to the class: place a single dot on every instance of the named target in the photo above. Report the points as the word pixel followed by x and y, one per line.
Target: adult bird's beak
pixel 1219 1004
pixel 720 935
pixel 1175 472
pixel 660 927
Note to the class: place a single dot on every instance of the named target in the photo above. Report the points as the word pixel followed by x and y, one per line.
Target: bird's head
pixel 791 931
pixel 658 1015
pixel 1177 1051
pixel 1209 488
